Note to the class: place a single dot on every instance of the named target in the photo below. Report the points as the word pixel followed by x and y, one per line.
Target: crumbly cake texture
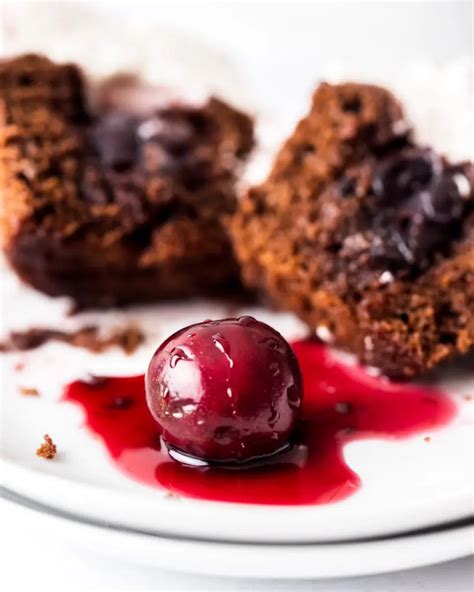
pixel 115 207
pixel 365 236
pixel 47 449
pixel 29 391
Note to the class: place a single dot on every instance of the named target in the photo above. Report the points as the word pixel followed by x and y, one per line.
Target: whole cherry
pixel 226 391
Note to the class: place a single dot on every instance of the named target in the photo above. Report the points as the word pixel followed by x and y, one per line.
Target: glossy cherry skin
pixel 225 391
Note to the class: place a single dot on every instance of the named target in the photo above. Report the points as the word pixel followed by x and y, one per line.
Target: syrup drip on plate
pixel 341 404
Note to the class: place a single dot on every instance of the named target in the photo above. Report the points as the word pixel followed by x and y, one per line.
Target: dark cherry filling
pixel 413 210
pixel 115 138
pixel 225 391
pixel 422 201
pixel 169 142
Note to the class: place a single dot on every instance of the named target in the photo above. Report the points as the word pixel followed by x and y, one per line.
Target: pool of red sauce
pixel 341 404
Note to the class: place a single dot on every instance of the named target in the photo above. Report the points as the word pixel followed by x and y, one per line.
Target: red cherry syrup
pixel 341 403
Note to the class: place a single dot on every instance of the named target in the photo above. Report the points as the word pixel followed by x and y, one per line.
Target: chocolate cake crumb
pixel 47 449
pixel 28 391
pixel 128 339
pixel 172 495
pixel 427 439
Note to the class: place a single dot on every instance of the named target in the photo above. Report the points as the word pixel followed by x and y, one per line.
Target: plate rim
pixel 19 499
pixel 323 560
pixel 99 503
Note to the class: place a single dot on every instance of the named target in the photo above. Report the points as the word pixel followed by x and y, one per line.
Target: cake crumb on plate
pixel 47 449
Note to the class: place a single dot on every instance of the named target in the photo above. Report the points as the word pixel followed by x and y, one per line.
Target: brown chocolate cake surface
pixel 366 236
pixel 117 206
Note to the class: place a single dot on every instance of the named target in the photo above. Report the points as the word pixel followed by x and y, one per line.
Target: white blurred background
pixel 372 36
pixel 267 56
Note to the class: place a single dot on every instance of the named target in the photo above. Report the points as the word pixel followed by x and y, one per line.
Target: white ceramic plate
pixel 282 561
pixel 406 484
